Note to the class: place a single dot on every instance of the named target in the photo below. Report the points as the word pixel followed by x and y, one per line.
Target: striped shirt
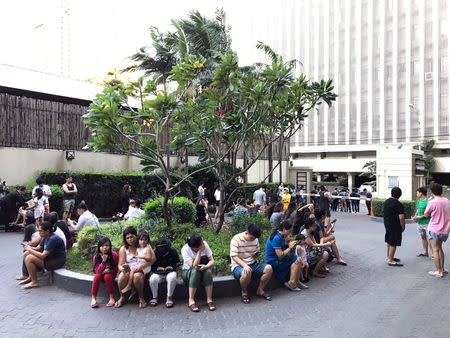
pixel 243 249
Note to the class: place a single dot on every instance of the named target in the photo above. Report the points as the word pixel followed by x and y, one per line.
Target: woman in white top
pixel 38 206
pixel 197 262
pixel 130 268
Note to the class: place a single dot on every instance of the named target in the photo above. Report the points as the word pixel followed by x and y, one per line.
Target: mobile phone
pixel 334 221
pixel 126 267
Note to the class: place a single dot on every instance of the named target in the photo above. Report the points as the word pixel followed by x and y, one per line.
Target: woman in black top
pixel 125 198
pixel 201 213
pixel 164 269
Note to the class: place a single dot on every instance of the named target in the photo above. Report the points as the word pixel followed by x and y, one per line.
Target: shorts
pixel 393 237
pixel 69 205
pixel 217 203
pixel 437 236
pixel 54 264
pixel 257 270
pixel 38 212
pixel 422 229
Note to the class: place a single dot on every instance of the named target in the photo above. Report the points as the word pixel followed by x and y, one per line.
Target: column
pixel 351 180
pixel 348 71
pixel 326 36
pixel 370 73
pixel 408 74
pixel 336 68
pixel 358 72
pixel 436 80
pixel 421 108
pixel 317 38
pixel 382 68
pixel 395 72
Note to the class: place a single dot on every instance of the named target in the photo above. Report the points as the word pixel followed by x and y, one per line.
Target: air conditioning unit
pixel 428 76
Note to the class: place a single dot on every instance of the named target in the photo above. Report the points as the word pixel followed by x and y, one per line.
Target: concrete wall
pixel 394 162
pixel 330 164
pixel 20 165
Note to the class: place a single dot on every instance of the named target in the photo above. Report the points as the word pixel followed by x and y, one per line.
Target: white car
pixel 368 186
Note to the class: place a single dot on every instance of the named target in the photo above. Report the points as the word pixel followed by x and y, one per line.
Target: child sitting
pixel 141 260
pixel 300 250
pixel 105 268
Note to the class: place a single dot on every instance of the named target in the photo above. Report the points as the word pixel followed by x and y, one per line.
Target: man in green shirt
pixel 422 221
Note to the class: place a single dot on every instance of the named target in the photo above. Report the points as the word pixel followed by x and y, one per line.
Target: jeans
pixel 171 279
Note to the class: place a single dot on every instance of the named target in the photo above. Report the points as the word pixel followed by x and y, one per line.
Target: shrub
pixel 102 190
pixel 240 223
pixel 183 210
pixel 378 207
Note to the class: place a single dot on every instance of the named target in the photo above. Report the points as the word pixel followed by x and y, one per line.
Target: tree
pixel 430 162
pixel 242 112
pixel 371 170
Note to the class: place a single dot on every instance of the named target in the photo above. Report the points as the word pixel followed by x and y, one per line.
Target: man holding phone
pixel 244 251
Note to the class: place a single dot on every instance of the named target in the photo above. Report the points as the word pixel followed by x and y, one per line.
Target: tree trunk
pixel 165 210
pixel 280 158
pixel 270 159
pixel 221 211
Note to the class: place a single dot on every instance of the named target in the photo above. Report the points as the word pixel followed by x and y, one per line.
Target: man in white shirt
pixel 134 211
pixel 86 218
pixel 45 190
pixel 259 197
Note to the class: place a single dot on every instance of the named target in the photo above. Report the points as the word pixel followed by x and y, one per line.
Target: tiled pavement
pixel 365 299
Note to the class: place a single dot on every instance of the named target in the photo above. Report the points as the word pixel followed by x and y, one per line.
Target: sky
pixel 86 39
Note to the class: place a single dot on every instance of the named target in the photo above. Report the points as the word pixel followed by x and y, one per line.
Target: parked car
pixel 367 185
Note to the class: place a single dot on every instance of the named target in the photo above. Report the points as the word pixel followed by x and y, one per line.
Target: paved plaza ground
pixel 365 299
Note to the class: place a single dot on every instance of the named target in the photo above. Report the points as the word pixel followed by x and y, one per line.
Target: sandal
pixel 421 255
pixel 211 306
pixel 153 302
pixel 110 303
pixel 194 308
pixel 435 273
pixel 118 304
pixel 142 304
pixel 341 263
pixel 94 305
pixel 395 264
pixel 265 296
pixel 245 299
pixel 169 304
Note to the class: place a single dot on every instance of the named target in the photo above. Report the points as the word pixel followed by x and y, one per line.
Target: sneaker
pixel 302 286
pixel 290 287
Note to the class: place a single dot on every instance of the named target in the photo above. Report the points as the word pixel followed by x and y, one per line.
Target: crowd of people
pixel 302 242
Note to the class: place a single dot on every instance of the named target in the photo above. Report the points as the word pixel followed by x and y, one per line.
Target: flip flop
pixel 245 299
pixel 396 259
pixel 142 304
pixel 110 303
pixel 265 296
pixel 211 306
pixel 434 273
pixel 194 308
pixel 94 305
pixel 153 302
pixel 395 264
pixel 421 255
pixel 169 304
pixel 118 304
pixel 341 263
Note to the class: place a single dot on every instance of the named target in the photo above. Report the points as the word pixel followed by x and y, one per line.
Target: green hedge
pixel 378 207
pixel 183 210
pixel 102 190
pixel 239 224
pixel 80 258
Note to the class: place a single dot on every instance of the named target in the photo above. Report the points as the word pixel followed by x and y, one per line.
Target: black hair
pixel 28 231
pixel 318 213
pixel 98 257
pixel 422 190
pixel 436 189
pixel 162 247
pixel 39 181
pixel 309 223
pixel 144 234
pixel 51 217
pixel 82 206
pixel 47 226
pixel 278 207
pixel 254 230
pixel 39 193
pixel 127 231
pixel 285 225
pixel 396 192
pixel 194 241
pixel 138 203
pixel 300 237
pixel 290 209
pixel 20 188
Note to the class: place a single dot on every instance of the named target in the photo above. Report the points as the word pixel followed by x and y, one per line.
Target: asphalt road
pixel 365 299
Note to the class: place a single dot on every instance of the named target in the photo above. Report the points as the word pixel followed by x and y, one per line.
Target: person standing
pixel 324 203
pixel 394 222
pixel 259 196
pixel 368 200
pixel 201 191
pixel 125 199
pixel 438 209
pixel 286 199
pixel 70 191
pixel 422 221
pixel 354 202
pixel 46 191
pixel 217 200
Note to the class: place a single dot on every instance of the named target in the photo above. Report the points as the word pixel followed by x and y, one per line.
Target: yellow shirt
pixel 286 199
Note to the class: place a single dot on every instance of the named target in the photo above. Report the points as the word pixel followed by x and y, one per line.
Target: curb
pixel 381 220
pixel 225 286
